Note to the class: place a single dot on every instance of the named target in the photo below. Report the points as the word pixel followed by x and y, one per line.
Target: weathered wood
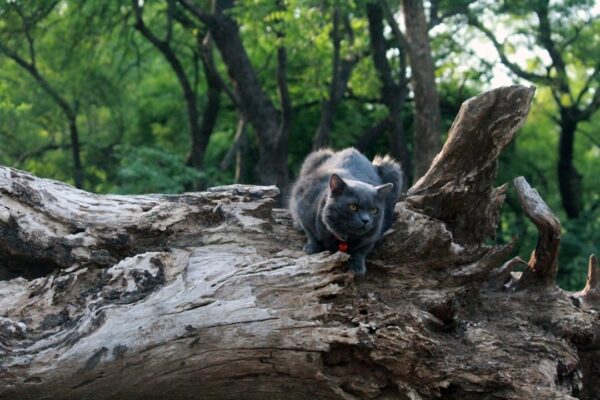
pixel 208 295
pixel 45 225
pixel 543 263
pixel 458 189
pixel 590 295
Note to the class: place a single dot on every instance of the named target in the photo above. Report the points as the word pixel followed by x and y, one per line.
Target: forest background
pixel 176 95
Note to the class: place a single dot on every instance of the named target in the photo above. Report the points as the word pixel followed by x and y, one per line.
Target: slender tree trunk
pixel 211 109
pixel 270 128
pixel 321 138
pixel 197 151
pixel 285 100
pixel 238 138
pixel 368 137
pixel 569 179
pixel 75 151
pixel 340 75
pixel 254 102
pixel 393 95
pixel 427 129
pixel 200 134
pixel 240 160
pixel 238 153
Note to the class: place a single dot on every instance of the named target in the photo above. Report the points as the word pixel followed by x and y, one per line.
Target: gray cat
pixel 344 202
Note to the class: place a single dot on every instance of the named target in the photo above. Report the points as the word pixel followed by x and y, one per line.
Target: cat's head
pixel 354 208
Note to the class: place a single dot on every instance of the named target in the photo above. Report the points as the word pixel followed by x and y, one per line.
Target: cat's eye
pixel 353 207
pixel 374 210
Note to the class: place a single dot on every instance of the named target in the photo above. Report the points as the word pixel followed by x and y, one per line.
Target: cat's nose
pixel 366 220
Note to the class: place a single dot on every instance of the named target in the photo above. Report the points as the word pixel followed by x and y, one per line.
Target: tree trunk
pixel 209 294
pixel 340 75
pixel 76 153
pixel 281 150
pixel 369 136
pixel 427 129
pixel 200 135
pixel 393 95
pixel 213 104
pixel 569 179
pixel 253 101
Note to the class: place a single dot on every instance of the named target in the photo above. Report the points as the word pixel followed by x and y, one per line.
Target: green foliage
pixel 580 239
pixel 148 169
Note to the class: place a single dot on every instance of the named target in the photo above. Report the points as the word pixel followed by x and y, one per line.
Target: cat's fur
pixel 330 185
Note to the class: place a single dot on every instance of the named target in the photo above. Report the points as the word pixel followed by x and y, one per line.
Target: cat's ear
pixel 384 190
pixel 336 184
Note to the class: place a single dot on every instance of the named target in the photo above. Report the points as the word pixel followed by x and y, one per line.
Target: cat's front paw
pixel 358 267
pixel 312 248
pixel 359 271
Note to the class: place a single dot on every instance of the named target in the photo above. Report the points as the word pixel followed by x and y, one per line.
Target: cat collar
pixel 343 247
pixel 341 244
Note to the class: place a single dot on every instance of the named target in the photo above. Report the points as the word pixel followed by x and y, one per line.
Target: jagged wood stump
pixel 208 295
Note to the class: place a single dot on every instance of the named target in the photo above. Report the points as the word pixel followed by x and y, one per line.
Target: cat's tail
pixel 389 171
pixel 314 160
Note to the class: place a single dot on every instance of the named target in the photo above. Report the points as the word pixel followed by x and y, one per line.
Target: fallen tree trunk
pixel 208 295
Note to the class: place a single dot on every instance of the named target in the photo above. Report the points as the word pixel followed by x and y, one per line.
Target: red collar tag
pixel 343 246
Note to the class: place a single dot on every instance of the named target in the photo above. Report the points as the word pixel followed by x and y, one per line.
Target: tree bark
pixel 393 94
pixel 213 99
pixel 341 71
pixel 200 132
pixel 370 135
pixel 427 129
pixel 543 264
pixel 569 179
pixel 238 140
pixel 489 121
pixel 285 101
pixel 78 174
pixel 254 103
pixel 209 294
